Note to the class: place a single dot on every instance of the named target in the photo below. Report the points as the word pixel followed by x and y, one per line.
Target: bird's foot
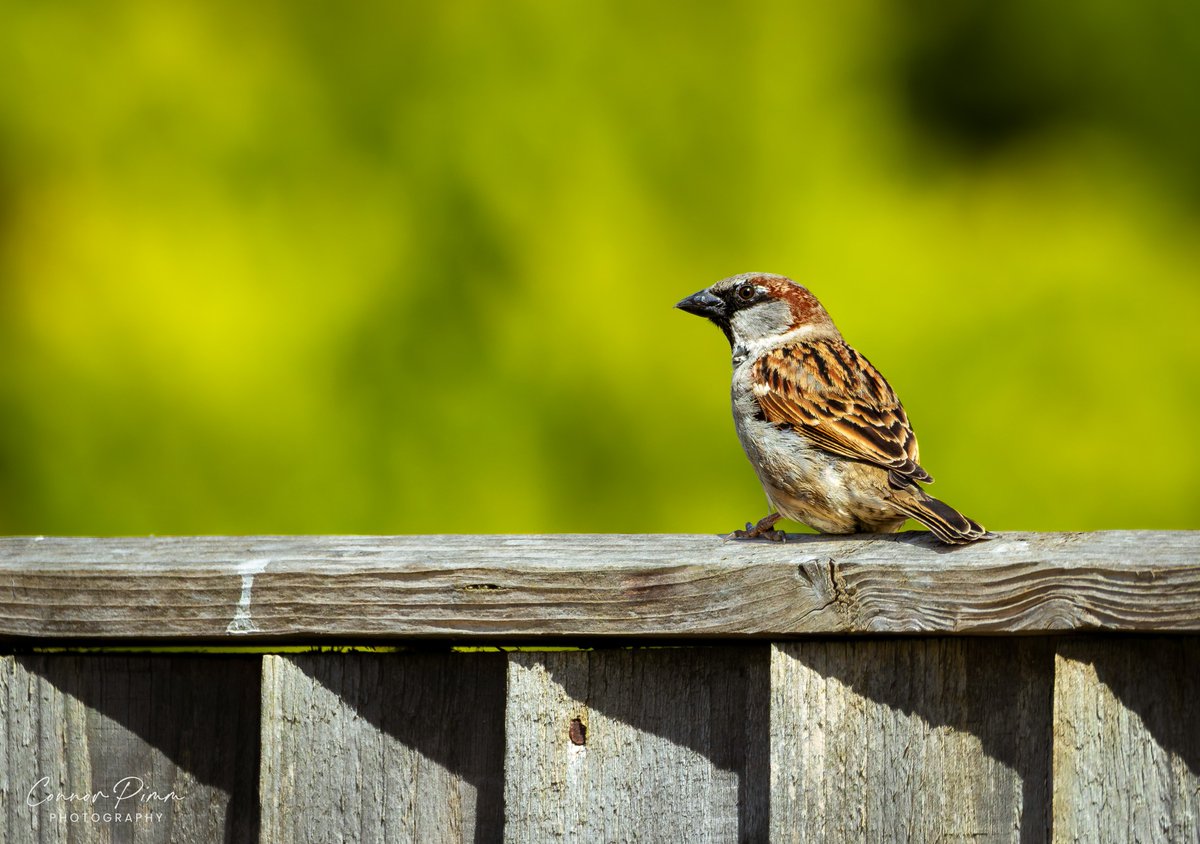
pixel 764 529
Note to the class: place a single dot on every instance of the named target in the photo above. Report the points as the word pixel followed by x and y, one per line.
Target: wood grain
pixel 637 745
pixel 176 737
pixel 1127 740
pixel 382 748
pixel 1070 739
pixel 524 587
pixel 910 740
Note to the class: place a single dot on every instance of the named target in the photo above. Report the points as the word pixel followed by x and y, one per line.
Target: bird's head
pixel 757 310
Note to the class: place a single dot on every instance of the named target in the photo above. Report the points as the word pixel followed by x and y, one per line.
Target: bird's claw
pixel 765 529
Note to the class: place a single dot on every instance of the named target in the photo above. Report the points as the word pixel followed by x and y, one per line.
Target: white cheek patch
pixel 764 321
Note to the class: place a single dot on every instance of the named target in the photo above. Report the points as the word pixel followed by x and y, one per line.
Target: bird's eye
pixel 745 292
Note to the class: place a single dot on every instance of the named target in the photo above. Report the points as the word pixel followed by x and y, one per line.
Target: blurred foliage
pixel 290 267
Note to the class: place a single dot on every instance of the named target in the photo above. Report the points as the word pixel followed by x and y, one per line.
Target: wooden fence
pixel 1038 687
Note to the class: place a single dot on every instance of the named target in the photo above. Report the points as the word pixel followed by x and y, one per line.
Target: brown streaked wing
pixel 832 395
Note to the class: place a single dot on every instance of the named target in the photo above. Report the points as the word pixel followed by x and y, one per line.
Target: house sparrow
pixel 826 435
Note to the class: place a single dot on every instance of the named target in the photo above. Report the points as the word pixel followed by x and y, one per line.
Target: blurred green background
pixel 407 267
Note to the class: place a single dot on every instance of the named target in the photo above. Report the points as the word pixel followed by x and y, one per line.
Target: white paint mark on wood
pixel 243 621
pixel 480 587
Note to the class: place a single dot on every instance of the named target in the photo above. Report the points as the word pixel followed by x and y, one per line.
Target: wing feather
pixel 832 395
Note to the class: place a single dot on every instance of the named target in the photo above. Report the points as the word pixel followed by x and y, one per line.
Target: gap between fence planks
pixel 242 589
pixel 1063 739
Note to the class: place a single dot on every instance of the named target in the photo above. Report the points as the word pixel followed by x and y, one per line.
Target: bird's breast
pixel 780 456
pixel 803 481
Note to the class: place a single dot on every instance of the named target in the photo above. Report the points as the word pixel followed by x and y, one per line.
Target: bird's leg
pixel 764 528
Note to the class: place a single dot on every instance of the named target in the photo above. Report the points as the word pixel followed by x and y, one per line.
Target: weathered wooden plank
pixel 383 748
pixel 646 745
pixel 1127 740
pixel 129 749
pixel 910 740
pixel 255 588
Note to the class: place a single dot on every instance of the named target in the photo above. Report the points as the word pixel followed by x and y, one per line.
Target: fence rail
pixel 497 587
pixel 794 703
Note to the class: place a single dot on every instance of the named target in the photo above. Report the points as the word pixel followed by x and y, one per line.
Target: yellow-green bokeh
pixel 405 267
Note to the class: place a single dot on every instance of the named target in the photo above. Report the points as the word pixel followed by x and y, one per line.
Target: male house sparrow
pixel 826 435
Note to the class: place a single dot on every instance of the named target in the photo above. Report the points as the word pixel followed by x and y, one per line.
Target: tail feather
pixel 946 523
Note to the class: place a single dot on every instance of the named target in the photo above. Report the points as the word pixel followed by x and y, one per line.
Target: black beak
pixel 703 304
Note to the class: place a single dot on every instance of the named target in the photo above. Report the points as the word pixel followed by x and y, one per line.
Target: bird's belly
pixel 824 491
